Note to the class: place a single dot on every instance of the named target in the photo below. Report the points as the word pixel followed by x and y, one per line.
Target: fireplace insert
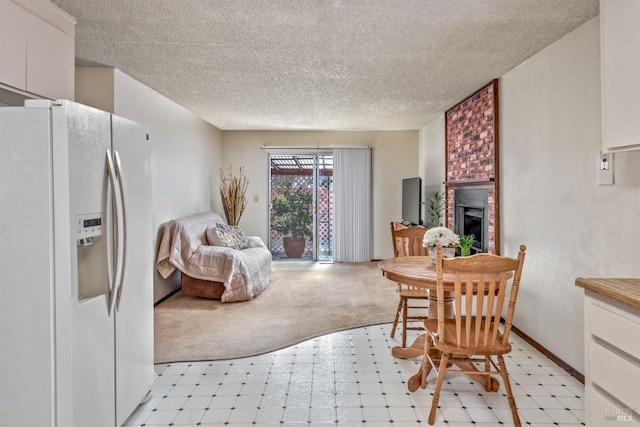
pixel 471 216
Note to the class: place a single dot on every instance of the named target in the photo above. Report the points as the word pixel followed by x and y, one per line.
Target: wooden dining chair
pixel 407 241
pixel 482 284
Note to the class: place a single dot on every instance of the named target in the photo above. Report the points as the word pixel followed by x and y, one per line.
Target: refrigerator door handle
pixel 111 268
pixel 123 198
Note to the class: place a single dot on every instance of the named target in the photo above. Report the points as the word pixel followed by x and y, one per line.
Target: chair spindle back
pixel 408 241
pixel 481 285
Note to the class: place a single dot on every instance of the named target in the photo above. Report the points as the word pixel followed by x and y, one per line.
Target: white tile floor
pixel 350 379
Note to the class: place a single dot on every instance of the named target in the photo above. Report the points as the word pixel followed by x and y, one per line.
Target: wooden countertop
pixel 625 291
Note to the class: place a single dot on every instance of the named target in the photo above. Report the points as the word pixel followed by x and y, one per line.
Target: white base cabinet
pixel 612 352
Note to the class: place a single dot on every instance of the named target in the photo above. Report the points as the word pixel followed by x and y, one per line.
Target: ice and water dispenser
pixel 91 242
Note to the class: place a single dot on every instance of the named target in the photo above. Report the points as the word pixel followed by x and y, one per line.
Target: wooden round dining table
pixel 420 271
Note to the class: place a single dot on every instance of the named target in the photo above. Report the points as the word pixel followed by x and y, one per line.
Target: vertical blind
pixel 352 204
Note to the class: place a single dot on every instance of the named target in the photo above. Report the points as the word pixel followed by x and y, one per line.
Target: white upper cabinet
pixel 13 45
pixel 620 67
pixel 37 49
pixel 50 61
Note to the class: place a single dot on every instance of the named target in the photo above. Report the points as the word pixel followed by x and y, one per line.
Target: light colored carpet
pixel 304 300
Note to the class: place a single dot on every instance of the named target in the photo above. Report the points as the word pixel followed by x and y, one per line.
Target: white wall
pixel 186 150
pixel 549 146
pixel 394 157
pixel 432 163
pixel 550 140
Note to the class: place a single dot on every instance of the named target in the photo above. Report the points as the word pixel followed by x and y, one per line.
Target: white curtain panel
pixel 352 204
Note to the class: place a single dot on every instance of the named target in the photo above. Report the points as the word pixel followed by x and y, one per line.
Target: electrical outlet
pixel 605 166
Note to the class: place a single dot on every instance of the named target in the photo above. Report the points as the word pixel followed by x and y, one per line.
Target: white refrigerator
pixel 76 297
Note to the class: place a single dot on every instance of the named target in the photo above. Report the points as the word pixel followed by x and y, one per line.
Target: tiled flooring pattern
pixel 349 378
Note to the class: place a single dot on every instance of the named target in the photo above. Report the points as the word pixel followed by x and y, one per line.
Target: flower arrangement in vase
pixel 441 236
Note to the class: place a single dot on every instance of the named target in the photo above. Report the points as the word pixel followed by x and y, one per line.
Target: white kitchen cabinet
pixel 13 45
pixel 620 74
pixel 50 61
pixel 612 351
pixel 37 49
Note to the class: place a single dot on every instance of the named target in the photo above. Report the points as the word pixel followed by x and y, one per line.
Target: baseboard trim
pixel 166 297
pixel 572 371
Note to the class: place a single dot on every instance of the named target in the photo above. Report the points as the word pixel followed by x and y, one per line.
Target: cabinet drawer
pixel 615 373
pixel 616 326
pixel 604 412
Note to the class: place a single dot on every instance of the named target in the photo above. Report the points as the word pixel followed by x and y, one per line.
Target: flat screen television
pixel 412 200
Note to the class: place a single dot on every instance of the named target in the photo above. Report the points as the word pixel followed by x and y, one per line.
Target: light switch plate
pixel 605 169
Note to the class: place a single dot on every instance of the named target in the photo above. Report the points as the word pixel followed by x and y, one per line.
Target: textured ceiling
pixel 318 64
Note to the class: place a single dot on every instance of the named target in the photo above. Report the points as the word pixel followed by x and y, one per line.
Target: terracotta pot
pixel 293 248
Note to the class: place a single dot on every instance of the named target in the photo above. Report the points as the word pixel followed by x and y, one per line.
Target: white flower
pixel 439 236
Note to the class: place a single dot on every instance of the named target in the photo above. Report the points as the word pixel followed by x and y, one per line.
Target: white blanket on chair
pixel 245 273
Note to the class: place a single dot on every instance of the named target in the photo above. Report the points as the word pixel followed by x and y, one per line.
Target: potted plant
pixel 292 217
pixel 436 206
pixel 466 241
pixel 233 193
pixel 441 236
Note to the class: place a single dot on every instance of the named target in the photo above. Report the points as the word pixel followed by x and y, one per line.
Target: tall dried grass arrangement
pixel 233 193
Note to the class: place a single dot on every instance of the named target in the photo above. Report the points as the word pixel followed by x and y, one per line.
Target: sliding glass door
pixel 324 207
pixel 301 206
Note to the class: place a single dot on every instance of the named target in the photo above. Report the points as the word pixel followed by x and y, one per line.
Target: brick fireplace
pixel 472 168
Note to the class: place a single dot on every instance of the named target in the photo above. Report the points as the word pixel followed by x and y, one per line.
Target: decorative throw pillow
pixel 230 236
pixel 212 236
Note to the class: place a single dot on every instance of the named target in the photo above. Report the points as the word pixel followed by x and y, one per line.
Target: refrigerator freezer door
pixel 27 314
pixel 134 302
